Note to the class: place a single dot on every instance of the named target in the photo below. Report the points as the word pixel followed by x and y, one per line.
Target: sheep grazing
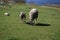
pixel 6 14
pixel 22 16
pixel 33 14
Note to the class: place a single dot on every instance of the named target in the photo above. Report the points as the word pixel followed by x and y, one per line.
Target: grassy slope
pixel 12 29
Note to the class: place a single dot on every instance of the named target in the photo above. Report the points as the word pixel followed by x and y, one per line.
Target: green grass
pixel 12 29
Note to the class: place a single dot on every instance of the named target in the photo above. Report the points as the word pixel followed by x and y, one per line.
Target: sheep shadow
pixel 39 24
pixel 42 24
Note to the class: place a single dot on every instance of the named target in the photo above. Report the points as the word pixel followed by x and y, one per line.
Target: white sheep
pixel 6 14
pixel 22 16
pixel 33 14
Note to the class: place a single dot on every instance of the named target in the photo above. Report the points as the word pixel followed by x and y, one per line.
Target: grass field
pixel 12 29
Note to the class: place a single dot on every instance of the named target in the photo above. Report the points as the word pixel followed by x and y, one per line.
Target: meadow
pixel 47 27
